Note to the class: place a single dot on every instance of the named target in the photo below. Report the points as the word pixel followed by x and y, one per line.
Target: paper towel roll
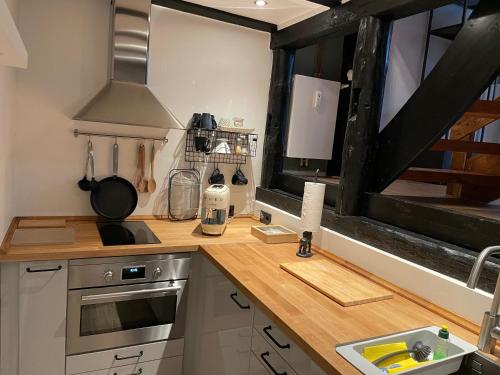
pixel 312 206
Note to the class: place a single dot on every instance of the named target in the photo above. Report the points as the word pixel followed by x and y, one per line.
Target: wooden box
pixel 274 234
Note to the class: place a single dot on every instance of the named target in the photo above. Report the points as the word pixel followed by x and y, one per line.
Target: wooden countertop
pixel 316 323
pixel 175 236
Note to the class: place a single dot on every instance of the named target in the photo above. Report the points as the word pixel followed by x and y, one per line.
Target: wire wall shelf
pixel 219 147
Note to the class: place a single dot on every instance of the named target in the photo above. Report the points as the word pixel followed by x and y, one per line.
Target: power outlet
pixel 265 217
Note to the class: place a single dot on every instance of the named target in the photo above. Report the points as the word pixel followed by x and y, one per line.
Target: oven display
pixel 131 273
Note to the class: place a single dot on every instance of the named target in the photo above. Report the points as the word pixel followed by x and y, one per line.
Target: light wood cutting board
pixel 41 223
pixel 43 236
pixel 336 282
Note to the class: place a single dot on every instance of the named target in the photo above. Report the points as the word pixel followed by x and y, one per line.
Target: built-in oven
pixel 123 301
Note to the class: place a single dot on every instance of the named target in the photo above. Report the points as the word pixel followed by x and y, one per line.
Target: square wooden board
pixel 336 282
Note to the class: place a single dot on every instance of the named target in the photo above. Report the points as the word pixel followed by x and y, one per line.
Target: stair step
pixel 469 124
pixel 449 175
pixel 447 32
pixel 467 146
pixel 484 108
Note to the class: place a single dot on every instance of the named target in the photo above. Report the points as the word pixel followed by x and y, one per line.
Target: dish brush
pixel 420 352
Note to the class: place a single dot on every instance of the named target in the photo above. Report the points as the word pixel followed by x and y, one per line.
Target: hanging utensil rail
pixel 77 133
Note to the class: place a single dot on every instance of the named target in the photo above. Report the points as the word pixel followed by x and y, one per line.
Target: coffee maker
pixel 215 210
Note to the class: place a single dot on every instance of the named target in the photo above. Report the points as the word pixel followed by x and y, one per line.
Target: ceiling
pixel 280 12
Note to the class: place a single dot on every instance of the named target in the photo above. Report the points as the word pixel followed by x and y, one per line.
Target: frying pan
pixel 115 198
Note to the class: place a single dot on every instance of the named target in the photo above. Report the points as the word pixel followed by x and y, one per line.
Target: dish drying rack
pixel 248 142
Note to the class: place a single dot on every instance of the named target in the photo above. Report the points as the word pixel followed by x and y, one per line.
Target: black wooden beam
pixel 344 19
pixel 326 3
pixel 295 185
pixel 364 113
pixel 277 107
pixel 470 231
pixel 466 69
pixel 219 15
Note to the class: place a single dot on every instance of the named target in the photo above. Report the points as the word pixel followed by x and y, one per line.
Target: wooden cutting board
pixel 43 236
pixel 336 282
pixel 41 223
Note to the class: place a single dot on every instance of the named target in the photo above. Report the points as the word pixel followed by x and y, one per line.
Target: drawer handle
pixel 58 268
pixel 134 373
pixel 129 357
pixel 264 356
pixel 266 331
pixel 233 297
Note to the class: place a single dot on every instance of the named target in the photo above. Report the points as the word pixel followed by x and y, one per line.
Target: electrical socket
pixel 265 217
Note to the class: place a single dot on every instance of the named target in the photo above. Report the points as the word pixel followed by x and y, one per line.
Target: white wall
pixel 196 65
pixel 7 90
pixel 405 64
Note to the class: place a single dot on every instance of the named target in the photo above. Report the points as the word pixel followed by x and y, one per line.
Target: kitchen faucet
pixel 490 327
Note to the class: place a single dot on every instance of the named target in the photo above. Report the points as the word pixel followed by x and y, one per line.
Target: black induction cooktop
pixel 126 233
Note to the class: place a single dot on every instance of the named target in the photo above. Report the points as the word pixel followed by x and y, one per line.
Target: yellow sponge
pixel 400 362
pixel 372 353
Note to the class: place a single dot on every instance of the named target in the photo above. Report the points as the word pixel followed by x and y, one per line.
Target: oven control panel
pixel 87 273
pixel 108 275
pixel 133 272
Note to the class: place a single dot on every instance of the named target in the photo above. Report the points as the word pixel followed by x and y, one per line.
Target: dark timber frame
pixel 344 19
pixel 371 160
pixel 434 107
pixel 364 114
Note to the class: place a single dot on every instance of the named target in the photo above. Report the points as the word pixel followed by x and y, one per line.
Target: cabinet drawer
pixel 284 346
pixel 269 358
pixel 224 352
pixel 129 355
pixel 165 366
pixel 256 368
pixel 227 308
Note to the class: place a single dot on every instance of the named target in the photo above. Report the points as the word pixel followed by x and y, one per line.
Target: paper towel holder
pixel 305 242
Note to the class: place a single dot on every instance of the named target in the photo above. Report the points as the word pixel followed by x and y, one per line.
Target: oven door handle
pixel 130 293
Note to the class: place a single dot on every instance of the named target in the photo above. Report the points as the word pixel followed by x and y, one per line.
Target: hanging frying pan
pixel 115 198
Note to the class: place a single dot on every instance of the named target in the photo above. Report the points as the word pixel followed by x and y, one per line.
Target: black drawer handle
pixel 264 356
pixel 58 268
pixel 233 297
pixel 266 331
pixel 134 373
pixel 129 357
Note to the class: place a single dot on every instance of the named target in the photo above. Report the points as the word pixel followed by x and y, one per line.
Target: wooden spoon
pixel 143 185
pixel 139 173
pixel 152 182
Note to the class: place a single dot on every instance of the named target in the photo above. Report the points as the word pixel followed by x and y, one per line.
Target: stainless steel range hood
pixel 126 99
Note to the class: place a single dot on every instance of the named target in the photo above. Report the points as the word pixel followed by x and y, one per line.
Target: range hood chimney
pixel 126 99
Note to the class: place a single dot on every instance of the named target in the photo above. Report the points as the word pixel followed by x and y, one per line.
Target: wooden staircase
pixel 474 173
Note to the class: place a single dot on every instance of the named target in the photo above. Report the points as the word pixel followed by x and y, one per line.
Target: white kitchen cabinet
pixel 130 355
pixel 256 368
pixel 265 330
pixel 219 326
pixel 42 317
pixel 165 366
pixel 269 358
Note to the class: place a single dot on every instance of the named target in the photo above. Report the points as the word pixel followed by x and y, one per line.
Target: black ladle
pixel 84 183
